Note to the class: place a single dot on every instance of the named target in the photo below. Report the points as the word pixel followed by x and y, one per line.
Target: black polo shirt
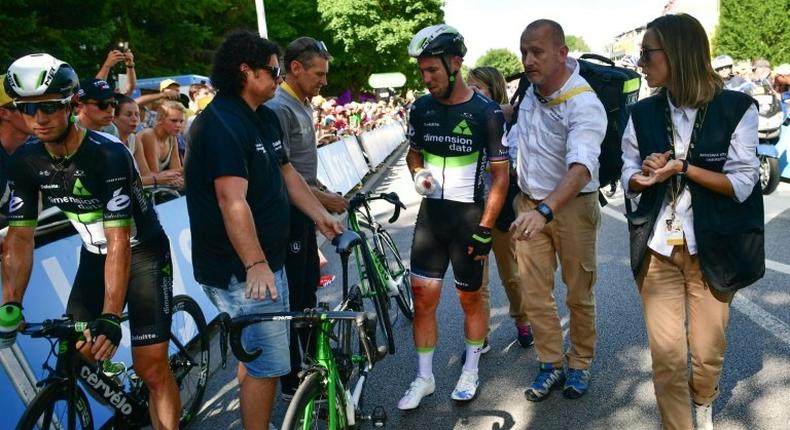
pixel 229 139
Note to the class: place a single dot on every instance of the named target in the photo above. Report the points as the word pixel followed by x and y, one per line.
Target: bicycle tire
pixel 44 406
pixel 397 268
pixel 378 293
pixel 312 390
pixel 189 356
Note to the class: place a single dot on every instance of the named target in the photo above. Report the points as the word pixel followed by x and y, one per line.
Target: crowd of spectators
pixel 334 121
pixel 162 119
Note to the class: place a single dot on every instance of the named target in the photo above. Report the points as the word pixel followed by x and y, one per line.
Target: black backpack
pixel 618 89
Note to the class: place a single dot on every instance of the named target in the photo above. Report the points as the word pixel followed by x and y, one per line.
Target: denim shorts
pixel 270 336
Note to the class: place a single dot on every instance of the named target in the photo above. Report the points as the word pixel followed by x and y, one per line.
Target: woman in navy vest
pixel 689 152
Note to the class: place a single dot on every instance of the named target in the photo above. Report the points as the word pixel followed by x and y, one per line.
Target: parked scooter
pixel 769 129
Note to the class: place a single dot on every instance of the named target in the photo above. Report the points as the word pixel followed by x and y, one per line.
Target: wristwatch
pixel 685 167
pixel 545 210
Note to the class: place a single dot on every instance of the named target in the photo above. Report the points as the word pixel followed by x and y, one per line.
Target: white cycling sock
pixel 425 362
pixel 473 352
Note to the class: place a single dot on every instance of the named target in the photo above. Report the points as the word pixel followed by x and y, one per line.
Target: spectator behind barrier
pixel 96 106
pixel 160 144
pixel 114 57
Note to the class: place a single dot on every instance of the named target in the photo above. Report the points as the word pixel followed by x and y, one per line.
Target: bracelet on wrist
pixel 130 66
pixel 253 264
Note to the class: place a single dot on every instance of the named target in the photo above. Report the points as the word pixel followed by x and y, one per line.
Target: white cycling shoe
pixel 418 389
pixel 466 388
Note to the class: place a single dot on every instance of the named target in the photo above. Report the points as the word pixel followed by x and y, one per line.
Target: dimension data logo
pixel 80 190
pixel 462 128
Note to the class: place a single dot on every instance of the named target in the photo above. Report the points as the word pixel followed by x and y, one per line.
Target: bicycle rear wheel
pixel 398 271
pixel 49 410
pixel 188 353
pixel 308 408
pixel 375 290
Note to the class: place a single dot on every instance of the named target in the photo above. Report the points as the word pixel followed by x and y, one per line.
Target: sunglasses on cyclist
pixel 104 104
pixel 46 106
pixel 274 71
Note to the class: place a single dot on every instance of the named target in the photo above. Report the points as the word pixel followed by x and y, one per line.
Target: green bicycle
pixel 384 278
pixel 343 352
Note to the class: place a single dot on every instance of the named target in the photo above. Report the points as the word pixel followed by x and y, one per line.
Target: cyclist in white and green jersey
pixel 454 133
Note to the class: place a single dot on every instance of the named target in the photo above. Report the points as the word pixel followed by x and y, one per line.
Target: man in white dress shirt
pixel 561 124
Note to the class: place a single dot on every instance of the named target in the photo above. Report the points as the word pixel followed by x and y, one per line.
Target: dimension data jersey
pixel 457 142
pixel 96 187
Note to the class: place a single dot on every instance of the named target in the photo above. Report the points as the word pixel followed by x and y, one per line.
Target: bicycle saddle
pixel 344 242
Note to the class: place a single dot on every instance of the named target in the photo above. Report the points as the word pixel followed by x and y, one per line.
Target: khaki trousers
pixel 571 238
pixel 682 315
pixel 505 253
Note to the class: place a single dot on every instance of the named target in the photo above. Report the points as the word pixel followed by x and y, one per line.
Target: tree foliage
pixel 178 37
pixel 502 59
pixel 372 37
pixel 576 44
pixel 754 28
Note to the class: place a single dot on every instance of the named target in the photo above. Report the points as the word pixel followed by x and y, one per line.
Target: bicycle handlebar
pixel 54 328
pixel 360 199
pixel 233 327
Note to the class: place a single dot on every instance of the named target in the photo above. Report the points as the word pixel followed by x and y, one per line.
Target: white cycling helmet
pixel 39 74
pixel 437 40
pixel 722 61
pixel 783 70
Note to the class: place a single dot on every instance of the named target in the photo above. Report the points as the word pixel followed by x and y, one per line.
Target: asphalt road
pixel 755 385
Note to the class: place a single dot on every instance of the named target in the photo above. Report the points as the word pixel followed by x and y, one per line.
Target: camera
pixel 123 46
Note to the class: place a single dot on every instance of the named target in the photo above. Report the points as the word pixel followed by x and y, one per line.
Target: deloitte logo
pixel 462 128
pixel 80 190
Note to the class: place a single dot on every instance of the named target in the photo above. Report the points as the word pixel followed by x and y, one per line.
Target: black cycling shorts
pixel 441 235
pixel 149 296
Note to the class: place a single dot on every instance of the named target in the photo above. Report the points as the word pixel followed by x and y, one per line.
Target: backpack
pixel 618 89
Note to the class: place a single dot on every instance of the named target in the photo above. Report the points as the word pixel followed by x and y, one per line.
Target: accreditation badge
pixel 675 232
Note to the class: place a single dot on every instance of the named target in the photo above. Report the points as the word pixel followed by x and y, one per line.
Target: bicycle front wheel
pixel 49 410
pixel 309 408
pixel 188 353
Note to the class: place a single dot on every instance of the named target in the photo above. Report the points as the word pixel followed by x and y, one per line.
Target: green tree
pixel 502 59
pixel 174 37
pixel 166 37
pixel 371 37
pixel 754 28
pixel 576 44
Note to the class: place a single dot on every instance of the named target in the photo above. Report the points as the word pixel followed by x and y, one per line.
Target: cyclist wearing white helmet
pixel 453 134
pixel 125 255
pixel 723 65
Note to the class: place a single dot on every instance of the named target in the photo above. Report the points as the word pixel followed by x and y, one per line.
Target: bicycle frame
pixel 323 358
pixel 361 255
pixel 71 367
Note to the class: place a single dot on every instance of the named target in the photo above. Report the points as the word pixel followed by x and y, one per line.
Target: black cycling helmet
pixel 40 74
pixel 437 40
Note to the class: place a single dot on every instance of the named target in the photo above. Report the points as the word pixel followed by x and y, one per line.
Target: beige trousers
pixel 571 239
pixel 505 253
pixel 683 315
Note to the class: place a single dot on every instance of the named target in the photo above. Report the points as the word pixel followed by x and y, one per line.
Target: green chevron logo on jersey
pixel 167 270
pixel 80 190
pixel 462 128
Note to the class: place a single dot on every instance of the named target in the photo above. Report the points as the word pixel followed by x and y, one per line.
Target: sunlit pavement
pixel 755 385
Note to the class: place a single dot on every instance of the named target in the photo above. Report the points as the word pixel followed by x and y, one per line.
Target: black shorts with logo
pixel 149 296
pixel 441 236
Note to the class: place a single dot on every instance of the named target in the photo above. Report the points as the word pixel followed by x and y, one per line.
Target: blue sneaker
pixel 548 379
pixel 577 383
